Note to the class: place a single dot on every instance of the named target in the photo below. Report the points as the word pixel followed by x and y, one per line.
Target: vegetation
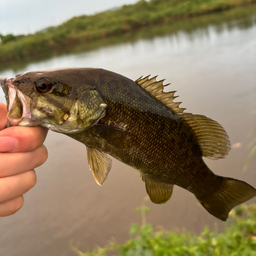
pixel 238 238
pixel 90 30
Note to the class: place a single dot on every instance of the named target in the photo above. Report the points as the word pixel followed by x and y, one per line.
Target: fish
pixel 136 122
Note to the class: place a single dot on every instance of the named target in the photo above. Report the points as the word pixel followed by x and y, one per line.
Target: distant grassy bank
pixel 237 239
pixel 91 30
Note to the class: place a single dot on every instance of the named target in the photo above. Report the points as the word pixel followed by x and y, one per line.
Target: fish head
pixel 55 99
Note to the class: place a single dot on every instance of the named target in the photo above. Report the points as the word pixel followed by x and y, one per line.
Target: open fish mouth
pixel 18 104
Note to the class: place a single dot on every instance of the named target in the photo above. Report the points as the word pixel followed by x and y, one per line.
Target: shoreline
pixel 90 32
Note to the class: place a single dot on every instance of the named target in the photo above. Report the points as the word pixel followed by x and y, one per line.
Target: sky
pixel 29 16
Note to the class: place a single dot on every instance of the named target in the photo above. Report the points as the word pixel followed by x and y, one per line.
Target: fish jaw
pixel 5 88
pixel 18 104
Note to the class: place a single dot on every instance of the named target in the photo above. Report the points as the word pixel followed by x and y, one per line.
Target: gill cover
pixel 86 111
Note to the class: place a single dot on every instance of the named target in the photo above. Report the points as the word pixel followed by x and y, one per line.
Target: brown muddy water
pixel 213 70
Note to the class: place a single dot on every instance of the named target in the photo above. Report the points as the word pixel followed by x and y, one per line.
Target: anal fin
pixel 158 192
pixel 99 163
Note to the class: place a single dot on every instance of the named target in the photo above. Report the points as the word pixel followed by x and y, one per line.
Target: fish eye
pixel 43 86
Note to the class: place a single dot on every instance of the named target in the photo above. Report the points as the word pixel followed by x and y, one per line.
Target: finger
pixel 17 185
pixel 3 115
pixel 15 163
pixel 10 207
pixel 22 139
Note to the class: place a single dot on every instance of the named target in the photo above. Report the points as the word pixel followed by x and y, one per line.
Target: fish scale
pixel 135 122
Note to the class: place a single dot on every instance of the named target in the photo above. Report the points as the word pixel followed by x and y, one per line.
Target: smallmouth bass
pixel 136 123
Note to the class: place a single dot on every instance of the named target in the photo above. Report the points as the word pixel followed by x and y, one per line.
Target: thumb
pixel 3 115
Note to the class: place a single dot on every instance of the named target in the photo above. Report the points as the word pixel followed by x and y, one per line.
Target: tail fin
pixel 230 194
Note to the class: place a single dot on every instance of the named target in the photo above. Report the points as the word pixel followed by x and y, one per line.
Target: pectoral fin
pixel 99 163
pixel 158 192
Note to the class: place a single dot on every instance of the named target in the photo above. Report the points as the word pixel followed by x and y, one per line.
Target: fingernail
pixel 8 144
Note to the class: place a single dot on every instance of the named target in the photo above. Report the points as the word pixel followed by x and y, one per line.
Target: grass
pixel 92 29
pixel 238 238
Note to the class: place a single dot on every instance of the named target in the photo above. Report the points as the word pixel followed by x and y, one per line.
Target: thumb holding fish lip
pixel 17 139
pixel 3 115
pixel 6 143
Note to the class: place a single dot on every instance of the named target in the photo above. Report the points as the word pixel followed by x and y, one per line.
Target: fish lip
pixel 11 91
pixel 2 82
pixel 5 88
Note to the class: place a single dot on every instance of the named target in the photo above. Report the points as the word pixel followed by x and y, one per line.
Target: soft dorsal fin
pixel 211 136
pixel 158 192
pixel 155 88
pixel 99 163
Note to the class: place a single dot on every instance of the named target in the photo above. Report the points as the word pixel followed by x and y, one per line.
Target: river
pixel 213 70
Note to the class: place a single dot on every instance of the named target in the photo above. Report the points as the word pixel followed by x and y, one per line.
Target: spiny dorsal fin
pixel 155 88
pixel 99 163
pixel 158 192
pixel 211 136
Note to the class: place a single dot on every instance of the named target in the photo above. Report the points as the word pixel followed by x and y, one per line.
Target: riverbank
pixel 238 238
pixel 88 32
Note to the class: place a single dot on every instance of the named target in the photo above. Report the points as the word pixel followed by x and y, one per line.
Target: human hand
pixel 21 151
